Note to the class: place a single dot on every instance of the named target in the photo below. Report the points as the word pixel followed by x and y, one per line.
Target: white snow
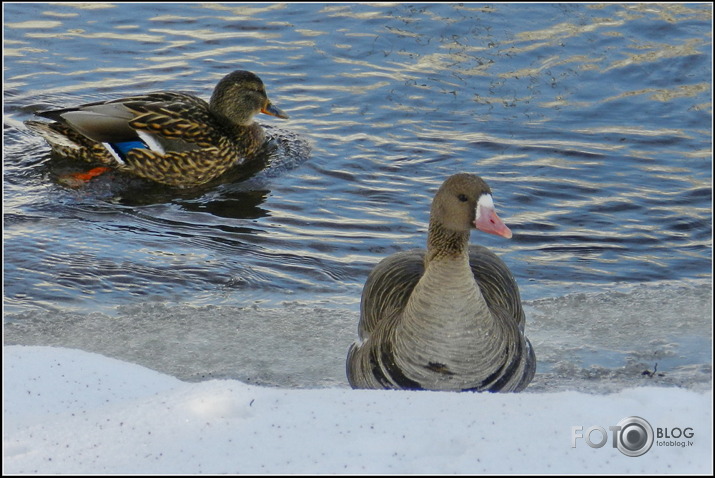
pixel 69 411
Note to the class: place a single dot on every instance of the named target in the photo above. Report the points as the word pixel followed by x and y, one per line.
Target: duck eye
pixel 462 198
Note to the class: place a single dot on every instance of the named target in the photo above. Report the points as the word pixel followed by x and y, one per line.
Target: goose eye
pixel 462 198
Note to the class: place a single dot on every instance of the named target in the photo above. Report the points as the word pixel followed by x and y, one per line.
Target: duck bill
pixel 274 111
pixel 488 221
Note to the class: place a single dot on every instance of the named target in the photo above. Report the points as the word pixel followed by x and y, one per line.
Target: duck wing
pixel 164 121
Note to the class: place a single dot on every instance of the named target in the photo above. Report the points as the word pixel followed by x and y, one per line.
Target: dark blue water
pixel 591 123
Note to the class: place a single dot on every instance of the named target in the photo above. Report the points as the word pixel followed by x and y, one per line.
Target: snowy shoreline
pixel 69 411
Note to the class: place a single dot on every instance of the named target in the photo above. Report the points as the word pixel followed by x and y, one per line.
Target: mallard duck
pixel 171 138
pixel 450 317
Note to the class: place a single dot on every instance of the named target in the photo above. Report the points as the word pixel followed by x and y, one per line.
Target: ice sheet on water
pixel 646 333
pixel 593 342
pixel 293 346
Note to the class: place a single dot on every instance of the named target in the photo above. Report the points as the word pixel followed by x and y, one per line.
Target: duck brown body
pixel 171 138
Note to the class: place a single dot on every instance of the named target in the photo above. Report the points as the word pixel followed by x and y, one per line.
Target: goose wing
pixel 388 287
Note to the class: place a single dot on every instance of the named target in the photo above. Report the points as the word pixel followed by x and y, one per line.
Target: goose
pixel 171 138
pixel 448 318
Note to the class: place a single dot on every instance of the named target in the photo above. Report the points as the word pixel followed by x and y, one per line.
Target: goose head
pixel 239 96
pixel 464 202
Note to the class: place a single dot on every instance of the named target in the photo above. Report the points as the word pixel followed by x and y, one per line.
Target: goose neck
pixel 443 243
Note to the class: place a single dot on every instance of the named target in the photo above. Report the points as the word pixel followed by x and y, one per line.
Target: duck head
pixel 239 96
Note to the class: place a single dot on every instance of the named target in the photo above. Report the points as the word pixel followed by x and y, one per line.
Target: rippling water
pixel 592 124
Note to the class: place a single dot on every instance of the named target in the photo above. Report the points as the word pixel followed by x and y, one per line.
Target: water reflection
pixel 232 205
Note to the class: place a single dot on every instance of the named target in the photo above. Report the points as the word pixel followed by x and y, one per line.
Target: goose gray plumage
pixel 450 317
